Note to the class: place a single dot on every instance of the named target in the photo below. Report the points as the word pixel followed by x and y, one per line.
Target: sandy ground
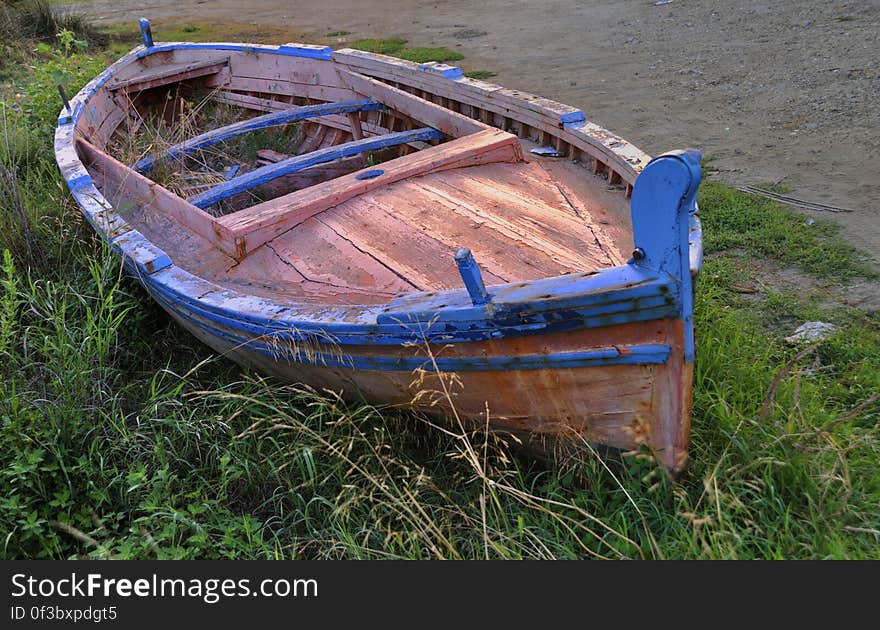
pixel 772 92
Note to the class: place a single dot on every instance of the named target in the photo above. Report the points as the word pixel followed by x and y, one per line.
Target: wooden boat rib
pixel 419 227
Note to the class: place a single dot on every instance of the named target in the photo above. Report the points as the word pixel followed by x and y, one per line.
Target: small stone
pixel 811 331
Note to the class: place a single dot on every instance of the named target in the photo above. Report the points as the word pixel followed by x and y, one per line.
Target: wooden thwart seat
pixel 451 123
pixel 169 73
pixel 259 224
pixel 294 164
pixel 151 194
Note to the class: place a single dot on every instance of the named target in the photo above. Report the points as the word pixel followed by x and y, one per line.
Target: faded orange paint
pixel 623 406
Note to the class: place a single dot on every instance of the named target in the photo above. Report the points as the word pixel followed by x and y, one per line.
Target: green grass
pixel 769 230
pixel 39 20
pixel 390 46
pixel 481 75
pixel 423 54
pixel 33 26
pixel 127 34
pixel 123 437
pixel 396 47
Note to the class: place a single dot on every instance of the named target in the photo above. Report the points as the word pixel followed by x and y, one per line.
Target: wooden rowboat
pixel 420 224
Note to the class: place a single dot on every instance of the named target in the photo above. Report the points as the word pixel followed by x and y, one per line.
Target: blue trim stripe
pixel 290 50
pixel 252 124
pixel 442 70
pixel 649 354
pixel 310 51
pixel 501 326
pixel 297 163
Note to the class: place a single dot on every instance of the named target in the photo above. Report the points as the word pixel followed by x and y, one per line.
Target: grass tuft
pixel 480 75
pixel 396 47
pixel 423 54
pixel 768 229
pixel 40 20
pixel 390 46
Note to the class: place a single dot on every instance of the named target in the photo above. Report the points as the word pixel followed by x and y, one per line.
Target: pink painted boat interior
pixel 322 235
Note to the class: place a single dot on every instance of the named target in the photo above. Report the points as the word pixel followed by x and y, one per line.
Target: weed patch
pixel 396 47
pixel 481 75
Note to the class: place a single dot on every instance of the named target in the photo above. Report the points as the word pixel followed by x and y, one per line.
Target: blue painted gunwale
pixel 274 345
pixel 392 331
pixel 307 51
pixel 273 119
pixel 297 163
pixel 619 295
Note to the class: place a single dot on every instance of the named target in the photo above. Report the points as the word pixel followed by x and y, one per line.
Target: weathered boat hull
pixel 606 356
pixel 639 398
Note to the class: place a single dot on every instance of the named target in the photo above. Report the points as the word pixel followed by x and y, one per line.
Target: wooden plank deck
pixel 414 227
pixel 169 73
pixel 402 237
pixel 261 223
pixel 363 241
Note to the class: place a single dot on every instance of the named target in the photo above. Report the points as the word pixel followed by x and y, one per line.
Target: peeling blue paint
pixel 568 291
pixel 663 201
pixel 309 51
pixel 444 325
pixel 286 349
pixel 572 117
pixel 146 32
pixel 71 117
pixel 80 183
pixel 147 257
pixel 441 69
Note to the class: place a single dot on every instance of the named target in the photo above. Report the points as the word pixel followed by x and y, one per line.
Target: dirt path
pixel 778 92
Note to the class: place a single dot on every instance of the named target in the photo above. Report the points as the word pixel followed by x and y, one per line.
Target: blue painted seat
pixel 260 122
pixel 297 163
